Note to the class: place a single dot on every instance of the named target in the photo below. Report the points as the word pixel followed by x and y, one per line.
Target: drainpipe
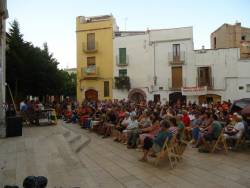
pixel 155 78
pixel 153 43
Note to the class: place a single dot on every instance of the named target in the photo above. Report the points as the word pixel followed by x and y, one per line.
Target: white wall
pixel 139 66
pixel 145 49
pixel 228 72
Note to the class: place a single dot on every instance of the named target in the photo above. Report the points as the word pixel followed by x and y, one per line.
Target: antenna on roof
pixel 237 22
pixel 125 23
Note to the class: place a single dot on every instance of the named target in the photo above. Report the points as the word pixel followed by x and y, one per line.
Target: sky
pixel 53 21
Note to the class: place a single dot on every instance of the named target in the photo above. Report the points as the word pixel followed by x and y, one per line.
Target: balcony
pixel 90 48
pixel 208 82
pixel 176 59
pixel 90 72
pixel 122 82
pixel 122 63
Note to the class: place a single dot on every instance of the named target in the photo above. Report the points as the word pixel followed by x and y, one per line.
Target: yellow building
pixel 232 36
pixel 94 37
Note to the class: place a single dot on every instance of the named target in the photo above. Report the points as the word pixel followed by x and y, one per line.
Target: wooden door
pixel 91 95
pixel 176 77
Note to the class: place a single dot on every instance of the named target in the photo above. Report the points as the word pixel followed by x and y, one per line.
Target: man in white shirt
pixel 132 125
pixel 237 131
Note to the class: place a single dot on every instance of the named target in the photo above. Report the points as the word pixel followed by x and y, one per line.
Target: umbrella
pixel 240 104
pixel 246 111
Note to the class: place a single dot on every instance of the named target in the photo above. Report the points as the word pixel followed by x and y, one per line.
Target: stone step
pixel 78 146
pixel 74 139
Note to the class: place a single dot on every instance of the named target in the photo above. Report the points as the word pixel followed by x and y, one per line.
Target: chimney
pixel 237 23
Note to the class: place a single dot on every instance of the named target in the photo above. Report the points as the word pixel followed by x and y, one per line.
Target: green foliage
pixel 122 82
pixel 33 71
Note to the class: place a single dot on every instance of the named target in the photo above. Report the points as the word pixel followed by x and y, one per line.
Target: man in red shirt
pixel 186 121
pixel 185 118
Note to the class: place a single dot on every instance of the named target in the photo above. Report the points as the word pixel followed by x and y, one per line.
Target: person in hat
pixel 234 133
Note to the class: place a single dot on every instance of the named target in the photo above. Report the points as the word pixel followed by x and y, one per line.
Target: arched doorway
pixel 209 98
pixel 137 95
pixel 177 97
pixel 91 95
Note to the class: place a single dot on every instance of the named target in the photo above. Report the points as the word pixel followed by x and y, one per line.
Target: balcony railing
pixel 90 48
pixel 209 83
pixel 178 59
pixel 90 72
pixel 122 82
pixel 122 63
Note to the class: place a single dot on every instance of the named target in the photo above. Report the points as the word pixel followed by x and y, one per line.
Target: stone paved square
pixel 101 162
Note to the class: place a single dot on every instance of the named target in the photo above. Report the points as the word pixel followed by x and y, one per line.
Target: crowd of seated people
pixel 30 109
pixel 145 125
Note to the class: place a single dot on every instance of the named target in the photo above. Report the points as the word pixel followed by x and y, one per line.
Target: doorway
pixel 177 97
pixel 157 98
pixel 91 95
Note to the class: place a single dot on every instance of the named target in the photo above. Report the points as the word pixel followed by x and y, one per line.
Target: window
pixel 106 88
pixel 243 37
pixel 204 76
pixel 91 41
pixel 122 72
pixel 248 87
pixel 176 50
pixel 91 67
pixel 122 56
pixel 90 61
pixel 241 87
pixel 214 42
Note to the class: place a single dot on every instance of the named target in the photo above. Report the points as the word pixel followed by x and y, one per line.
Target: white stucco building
pixel 158 63
pixel 149 61
pixel 228 75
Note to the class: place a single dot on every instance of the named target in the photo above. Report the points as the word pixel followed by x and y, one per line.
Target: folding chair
pixel 25 118
pixel 241 141
pixel 180 147
pixel 168 150
pixel 220 140
pixel 53 117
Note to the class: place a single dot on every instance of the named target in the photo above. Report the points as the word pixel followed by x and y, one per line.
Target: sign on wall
pixel 194 91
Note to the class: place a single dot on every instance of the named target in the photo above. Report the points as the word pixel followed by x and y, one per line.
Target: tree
pixel 33 71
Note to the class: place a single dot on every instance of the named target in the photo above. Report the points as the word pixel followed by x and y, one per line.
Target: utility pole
pixel 3 17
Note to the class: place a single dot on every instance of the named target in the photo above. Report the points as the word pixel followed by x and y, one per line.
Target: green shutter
pixel 106 88
pixel 122 72
pixel 122 55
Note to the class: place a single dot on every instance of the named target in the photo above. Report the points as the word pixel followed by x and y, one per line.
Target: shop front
pixel 209 98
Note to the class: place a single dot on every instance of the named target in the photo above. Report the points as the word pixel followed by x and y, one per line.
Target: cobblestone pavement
pixel 72 157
